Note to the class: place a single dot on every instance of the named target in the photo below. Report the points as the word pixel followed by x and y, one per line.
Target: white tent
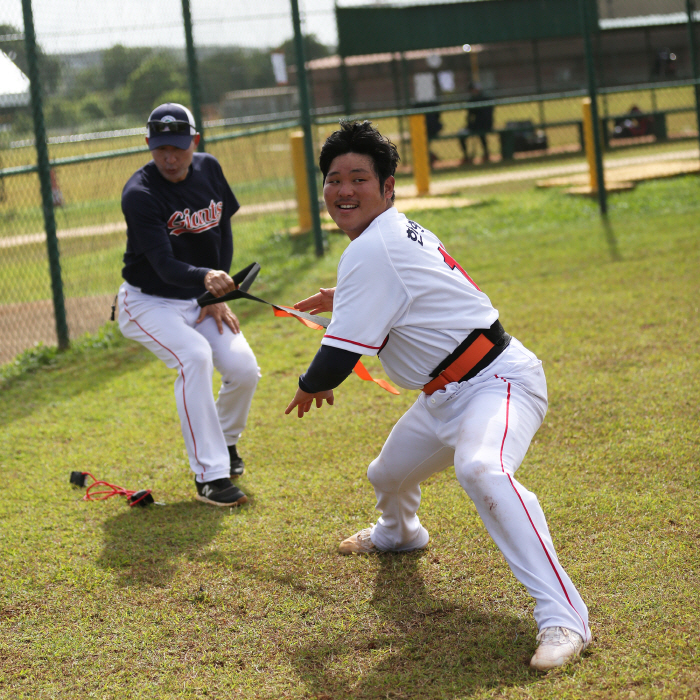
pixel 14 85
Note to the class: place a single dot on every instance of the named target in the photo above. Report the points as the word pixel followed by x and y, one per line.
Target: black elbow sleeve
pixel 329 368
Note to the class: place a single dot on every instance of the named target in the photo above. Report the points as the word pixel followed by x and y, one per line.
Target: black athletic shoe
pixel 237 466
pixel 220 492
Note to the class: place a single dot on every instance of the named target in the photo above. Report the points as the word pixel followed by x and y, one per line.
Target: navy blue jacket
pixel 177 231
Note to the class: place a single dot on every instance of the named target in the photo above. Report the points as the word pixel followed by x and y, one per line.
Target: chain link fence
pixel 103 68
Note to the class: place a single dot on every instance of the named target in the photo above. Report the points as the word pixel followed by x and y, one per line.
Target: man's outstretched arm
pixel 329 369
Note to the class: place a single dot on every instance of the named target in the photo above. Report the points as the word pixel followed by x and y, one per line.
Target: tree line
pixel 127 82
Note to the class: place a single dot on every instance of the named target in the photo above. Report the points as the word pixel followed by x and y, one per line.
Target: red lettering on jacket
pixel 195 222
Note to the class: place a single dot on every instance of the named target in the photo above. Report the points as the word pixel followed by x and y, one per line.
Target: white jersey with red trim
pixel 400 295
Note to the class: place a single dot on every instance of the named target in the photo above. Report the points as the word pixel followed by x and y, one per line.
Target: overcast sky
pixel 83 25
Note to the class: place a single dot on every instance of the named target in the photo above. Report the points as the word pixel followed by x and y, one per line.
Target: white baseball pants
pixel 168 328
pixel 484 427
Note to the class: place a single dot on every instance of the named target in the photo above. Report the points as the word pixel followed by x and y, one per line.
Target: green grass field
pixel 185 601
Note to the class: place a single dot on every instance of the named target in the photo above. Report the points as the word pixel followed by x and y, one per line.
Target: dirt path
pixel 440 187
pixel 24 325
pixel 529 173
pixel 115 227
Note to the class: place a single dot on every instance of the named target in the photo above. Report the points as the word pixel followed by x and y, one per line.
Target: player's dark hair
pixel 362 138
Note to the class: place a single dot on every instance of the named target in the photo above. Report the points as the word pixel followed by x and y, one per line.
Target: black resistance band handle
pixel 243 278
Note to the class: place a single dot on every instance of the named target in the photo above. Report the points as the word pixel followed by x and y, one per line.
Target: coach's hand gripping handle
pixel 244 278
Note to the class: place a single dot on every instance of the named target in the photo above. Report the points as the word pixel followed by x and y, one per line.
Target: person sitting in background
pixel 634 123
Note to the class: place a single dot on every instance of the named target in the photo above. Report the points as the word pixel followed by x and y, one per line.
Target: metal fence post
pixel 589 143
pixel 304 104
pixel 192 74
pixel 538 77
pixel 345 85
pixel 42 154
pixel 592 92
pixel 693 59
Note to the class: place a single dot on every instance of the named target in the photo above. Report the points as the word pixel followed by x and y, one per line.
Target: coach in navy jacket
pixel 178 210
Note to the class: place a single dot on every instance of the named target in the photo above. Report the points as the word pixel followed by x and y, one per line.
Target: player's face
pixel 352 193
pixel 174 163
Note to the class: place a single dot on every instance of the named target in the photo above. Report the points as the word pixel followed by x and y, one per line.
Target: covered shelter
pixel 388 55
pixel 14 85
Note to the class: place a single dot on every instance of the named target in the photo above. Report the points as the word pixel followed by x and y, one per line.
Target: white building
pixel 14 85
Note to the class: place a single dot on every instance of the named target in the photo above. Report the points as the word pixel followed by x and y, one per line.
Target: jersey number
pixel 452 264
pixel 412 232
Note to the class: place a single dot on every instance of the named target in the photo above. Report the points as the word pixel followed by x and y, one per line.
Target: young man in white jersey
pixel 401 296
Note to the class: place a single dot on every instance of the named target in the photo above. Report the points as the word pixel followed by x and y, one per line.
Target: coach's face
pixel 352 193
pixel 174 163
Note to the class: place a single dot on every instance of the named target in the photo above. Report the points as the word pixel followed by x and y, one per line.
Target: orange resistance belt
pixel 360 370
pixel 461 366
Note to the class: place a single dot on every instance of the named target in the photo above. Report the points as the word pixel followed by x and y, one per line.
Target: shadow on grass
pixel 143 545
pixel 611 239
pixel 67 378
pixel 413 645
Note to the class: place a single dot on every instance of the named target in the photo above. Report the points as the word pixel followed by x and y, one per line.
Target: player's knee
pixel 382 476
pixel 198 358
pixel 242 370
pixel 249 377
pixel 472 473
pixel 249 367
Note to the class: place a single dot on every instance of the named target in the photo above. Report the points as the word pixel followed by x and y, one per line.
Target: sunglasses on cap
pixel 173 127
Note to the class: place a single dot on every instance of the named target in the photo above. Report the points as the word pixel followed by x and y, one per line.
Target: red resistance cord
pixel 110 490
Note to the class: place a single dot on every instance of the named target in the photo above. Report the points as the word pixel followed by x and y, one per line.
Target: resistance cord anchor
pixel 78 479
pixel 141 497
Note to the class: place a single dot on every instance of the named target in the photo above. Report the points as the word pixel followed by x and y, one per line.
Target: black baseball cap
pixel 170 124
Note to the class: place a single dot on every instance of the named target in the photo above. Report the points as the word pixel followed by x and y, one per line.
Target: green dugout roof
pixel 381 29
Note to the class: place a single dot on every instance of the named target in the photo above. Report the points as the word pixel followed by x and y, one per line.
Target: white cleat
pixel 558 646
pixel 359 543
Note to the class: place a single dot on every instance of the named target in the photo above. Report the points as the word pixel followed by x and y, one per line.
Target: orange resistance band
pixel 360 370
pixel 461 366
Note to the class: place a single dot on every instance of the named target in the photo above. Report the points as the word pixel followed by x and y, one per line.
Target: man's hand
pixel 222 315
pixel 219 283
pixel 303 401
pixel 318 303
